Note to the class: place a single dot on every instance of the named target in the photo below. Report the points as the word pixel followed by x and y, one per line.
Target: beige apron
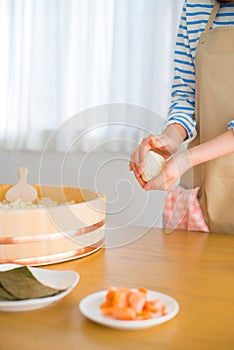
pixel 214 109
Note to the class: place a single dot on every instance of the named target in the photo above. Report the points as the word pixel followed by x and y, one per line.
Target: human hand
pixel 162 144
pixel 175 167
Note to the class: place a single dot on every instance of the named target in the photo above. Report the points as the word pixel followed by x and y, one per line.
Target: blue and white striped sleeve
pixel 182 107
pixel 231 125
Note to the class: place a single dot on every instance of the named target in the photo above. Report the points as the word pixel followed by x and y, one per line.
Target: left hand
pixel 172 171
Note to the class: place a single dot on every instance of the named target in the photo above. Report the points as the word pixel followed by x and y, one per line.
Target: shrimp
pixel 126 304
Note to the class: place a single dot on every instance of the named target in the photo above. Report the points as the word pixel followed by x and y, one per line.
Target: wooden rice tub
pixel 50 235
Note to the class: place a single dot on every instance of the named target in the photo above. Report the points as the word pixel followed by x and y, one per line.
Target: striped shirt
pixel 193 21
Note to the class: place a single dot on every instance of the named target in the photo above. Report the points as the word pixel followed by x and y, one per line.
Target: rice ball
pixel 153 166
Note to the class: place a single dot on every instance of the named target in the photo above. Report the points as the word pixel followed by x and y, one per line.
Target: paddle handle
pixel 22 190
pixel 23 174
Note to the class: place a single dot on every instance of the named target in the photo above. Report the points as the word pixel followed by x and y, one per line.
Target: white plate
pixel 57 279
pixel 90 308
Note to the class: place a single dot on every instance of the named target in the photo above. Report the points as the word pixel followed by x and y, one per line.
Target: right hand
pixel 164 145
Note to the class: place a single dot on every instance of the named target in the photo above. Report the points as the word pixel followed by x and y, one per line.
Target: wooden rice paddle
pixel 22 190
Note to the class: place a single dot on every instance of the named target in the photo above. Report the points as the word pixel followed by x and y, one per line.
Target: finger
pixel 142 156
pixel 147 142
pixel 134 168
pixel 157 183
pixel 159 145
pixel 131 166
pixel 134 159
pixel 156 142
pixel 139 178
pixel 144 148
pixel 139 156
pixel 141 182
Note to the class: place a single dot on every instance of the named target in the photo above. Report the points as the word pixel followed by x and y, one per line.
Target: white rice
pixel 39 203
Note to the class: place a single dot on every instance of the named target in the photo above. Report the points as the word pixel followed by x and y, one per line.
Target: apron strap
pixel 210 22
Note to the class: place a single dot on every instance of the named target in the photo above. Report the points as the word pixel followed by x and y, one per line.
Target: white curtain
pixel 60 57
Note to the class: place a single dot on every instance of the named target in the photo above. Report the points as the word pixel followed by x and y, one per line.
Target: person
pixel 201 114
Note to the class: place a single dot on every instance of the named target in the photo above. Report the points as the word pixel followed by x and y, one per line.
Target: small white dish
pixel 90 308
pixel 57 279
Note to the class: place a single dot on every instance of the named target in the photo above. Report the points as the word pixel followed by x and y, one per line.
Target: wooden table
pixel 195 268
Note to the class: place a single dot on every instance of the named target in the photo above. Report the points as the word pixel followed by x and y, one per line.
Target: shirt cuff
pixel 231 125
pixel 191 133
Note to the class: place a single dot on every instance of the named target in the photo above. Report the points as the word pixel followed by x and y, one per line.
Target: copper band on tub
pixel 56 258
pixel 51 236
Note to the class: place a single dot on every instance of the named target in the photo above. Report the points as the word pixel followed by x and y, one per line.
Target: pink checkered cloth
pixel 182 211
